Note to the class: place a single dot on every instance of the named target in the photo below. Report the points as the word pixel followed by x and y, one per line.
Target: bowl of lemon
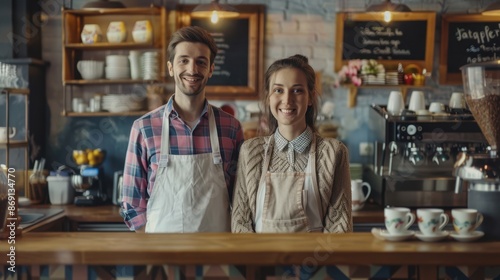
pixel 91 157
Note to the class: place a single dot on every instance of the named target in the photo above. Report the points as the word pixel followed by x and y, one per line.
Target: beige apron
pixel 289 202
pixel 190 192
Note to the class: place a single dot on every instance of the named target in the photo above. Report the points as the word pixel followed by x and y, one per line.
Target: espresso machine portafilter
pixel 478 174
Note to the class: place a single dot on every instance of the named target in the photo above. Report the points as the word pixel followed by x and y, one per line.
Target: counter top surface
pixel 258 249
pixel 110 213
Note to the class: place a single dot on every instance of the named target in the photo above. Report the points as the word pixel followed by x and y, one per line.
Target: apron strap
pixel 165 140
pixel 214 137
pixel 312 160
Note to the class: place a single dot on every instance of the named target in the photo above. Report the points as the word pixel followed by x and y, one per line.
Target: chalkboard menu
pixel 467 39
pixel 403 40
pixel 240 59
pixel 407 38
pixel 231 62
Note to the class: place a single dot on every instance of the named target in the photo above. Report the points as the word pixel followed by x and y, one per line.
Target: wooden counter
pixel 246 249
pixel 255 249
pixel 77 249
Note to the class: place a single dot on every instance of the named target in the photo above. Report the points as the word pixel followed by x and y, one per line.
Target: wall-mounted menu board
pixel 467 39
pixel 408 38
pixel 239 61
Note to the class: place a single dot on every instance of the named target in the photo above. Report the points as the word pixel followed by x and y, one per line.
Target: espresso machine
pixel 478 173
pixel 88 185
pixel 415 155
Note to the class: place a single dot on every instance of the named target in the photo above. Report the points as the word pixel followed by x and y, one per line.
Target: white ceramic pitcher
pixel 358 196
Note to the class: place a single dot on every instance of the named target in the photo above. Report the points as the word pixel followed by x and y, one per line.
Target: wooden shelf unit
pixel 74 50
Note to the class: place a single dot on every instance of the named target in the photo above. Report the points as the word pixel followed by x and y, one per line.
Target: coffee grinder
pixel 479 173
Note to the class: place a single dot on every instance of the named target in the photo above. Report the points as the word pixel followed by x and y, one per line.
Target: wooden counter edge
pixel 249 249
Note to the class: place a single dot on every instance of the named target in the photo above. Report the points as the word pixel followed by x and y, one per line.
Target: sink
pixel 31 216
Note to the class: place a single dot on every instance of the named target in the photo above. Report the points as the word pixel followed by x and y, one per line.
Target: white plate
pixel 432 238
pixel 467 238
pixel 396 237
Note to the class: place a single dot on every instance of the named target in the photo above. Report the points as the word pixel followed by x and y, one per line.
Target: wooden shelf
pixel 14 144
pixel 107 82
pixel 111 46
pixel 24 91
pixel 104 114
pixel 74 50
pixel 127 11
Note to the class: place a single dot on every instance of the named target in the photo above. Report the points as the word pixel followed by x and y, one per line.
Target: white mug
pixel 457 100
pixel 431 221
pixel 465 221
pixel 395 104
pixel 7 132
pixel 417 101
pixel 358 196
pixel 398 219
pixel 436 107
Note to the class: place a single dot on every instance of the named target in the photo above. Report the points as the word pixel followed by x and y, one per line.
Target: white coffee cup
pixel 358 196
pixel 465 221
pixel 398 219
pixel 395 103
pixel 90 69
pixel 457 100
pixel 431 221
pixel 436 107
pixel 417 101
pixel 7 133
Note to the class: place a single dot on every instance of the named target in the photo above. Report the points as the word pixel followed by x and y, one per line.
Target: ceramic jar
pixel 91 34
pixel 117 32
pixel 142 32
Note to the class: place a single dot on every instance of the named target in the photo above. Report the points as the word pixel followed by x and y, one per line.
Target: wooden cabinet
pixel 74 50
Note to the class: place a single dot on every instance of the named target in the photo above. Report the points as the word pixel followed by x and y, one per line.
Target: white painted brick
pixel 306 17
pixel 315 26
pixel 318 64
pixel 322 52
pixel 290 39
pixel 273 27
pixel 289 26
pixel 275 17
pixel 326 39
pixel 303 50
pixel 274 51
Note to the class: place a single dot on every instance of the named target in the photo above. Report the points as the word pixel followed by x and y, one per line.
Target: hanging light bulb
pixel 215 17
pixel 215 11
pixel 387 16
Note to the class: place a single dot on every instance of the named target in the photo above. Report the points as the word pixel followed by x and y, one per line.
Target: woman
pixel 292 180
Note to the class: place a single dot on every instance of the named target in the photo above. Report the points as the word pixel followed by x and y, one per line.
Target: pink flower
pixel 349 73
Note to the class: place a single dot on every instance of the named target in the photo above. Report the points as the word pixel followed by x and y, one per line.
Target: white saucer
pixel 432 238
pixel 396 237
pixel 467 238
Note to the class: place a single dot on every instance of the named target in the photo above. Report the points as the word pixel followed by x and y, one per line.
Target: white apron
pixel 190 192
pixel 275 211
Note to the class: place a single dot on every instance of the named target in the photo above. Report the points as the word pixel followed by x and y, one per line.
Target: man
pixel 181 158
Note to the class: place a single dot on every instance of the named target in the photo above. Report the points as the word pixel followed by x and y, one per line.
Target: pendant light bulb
pixel 214 18
pixel 387 16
